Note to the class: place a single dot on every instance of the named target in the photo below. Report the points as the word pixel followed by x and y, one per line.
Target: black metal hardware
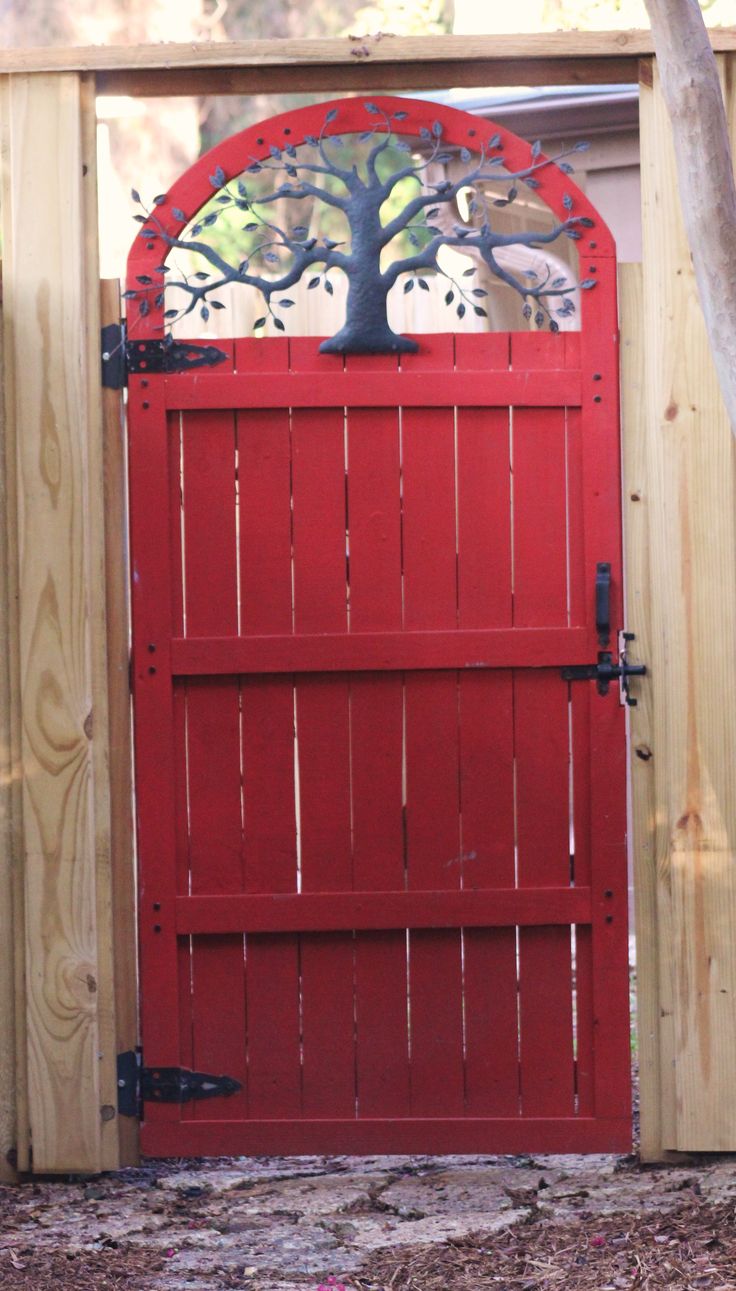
pixel 169 355
pixel 603 602
pixel 121 356
pixel 113 356
pixel 138 1084
pixel 129 1084
pixel 605 671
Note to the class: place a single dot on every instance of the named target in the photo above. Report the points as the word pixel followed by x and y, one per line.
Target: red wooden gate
pixel 382 841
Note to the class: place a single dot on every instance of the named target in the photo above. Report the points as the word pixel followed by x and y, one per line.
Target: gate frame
pixel 61 956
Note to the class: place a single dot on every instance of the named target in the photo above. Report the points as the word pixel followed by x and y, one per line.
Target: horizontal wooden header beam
pixel 358 63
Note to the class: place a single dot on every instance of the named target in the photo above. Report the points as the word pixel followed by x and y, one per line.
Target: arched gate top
pixel 279 136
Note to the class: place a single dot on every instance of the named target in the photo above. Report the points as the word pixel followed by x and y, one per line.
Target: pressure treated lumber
pixel 121 792
pixel 691 510
pixel 649 1021
pixel 8 856
pixel 11 642
pixel 370 62
pixel 54 432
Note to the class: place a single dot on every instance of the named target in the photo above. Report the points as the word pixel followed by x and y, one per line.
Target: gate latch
pixel 605 671
pixel 137 1084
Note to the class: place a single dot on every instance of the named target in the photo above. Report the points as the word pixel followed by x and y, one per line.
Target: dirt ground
pixel 405 1223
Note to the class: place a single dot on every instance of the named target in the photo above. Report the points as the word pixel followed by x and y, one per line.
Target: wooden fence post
pixel 689 492
pixel 54 438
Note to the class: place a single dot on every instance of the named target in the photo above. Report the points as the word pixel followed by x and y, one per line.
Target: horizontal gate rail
pixel 511 1134
pixel 353 911
pixel 548 388
pixel 382 651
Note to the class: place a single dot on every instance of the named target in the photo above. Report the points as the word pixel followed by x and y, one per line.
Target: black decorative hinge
pixel 605 671
pixel 121 356
pixel 138 1084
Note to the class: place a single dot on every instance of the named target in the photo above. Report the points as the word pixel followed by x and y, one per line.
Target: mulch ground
pixel 26 1269
pixel 690 1249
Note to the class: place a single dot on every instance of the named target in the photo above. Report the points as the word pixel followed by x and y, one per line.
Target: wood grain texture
pixel 7 851
pixel 119 716
pixel 359 73
pixel 308 52
pixel 653 1033
pixel 11 641
pixel 96 594
pixel 689 466
pixel 51 293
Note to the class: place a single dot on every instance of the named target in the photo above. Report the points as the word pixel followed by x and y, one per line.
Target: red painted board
pixel 154 599
pixel 333 911
pixel 376 749
pixel 267 730
pixel 485 600
pixel 383 651
pixel 407 1135
pixel 323 735
pixel 602 519
pixel 541 749
pixel 213 745
pixel 329 388
pixel 432 754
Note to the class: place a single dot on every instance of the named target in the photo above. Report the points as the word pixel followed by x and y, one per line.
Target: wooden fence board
pixel 654 1032
pixel 355 62
pixel 12 644
pixel 119 718
pixel 51 287
pixel 7 852
pixel 692 551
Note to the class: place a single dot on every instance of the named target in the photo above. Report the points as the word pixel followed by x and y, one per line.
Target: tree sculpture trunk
pixel 366 329
pixel 692 92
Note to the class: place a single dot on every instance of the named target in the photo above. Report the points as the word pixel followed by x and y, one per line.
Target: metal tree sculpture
pixel 359 192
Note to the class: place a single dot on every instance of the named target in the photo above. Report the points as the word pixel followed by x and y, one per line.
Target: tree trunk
pixel 692 92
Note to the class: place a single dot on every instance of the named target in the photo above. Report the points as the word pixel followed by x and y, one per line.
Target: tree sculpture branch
pixel 278 258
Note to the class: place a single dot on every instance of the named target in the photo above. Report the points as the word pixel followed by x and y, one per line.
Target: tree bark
pixel 692 92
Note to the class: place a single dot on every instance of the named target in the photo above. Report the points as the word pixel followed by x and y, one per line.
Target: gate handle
pixel 603 602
